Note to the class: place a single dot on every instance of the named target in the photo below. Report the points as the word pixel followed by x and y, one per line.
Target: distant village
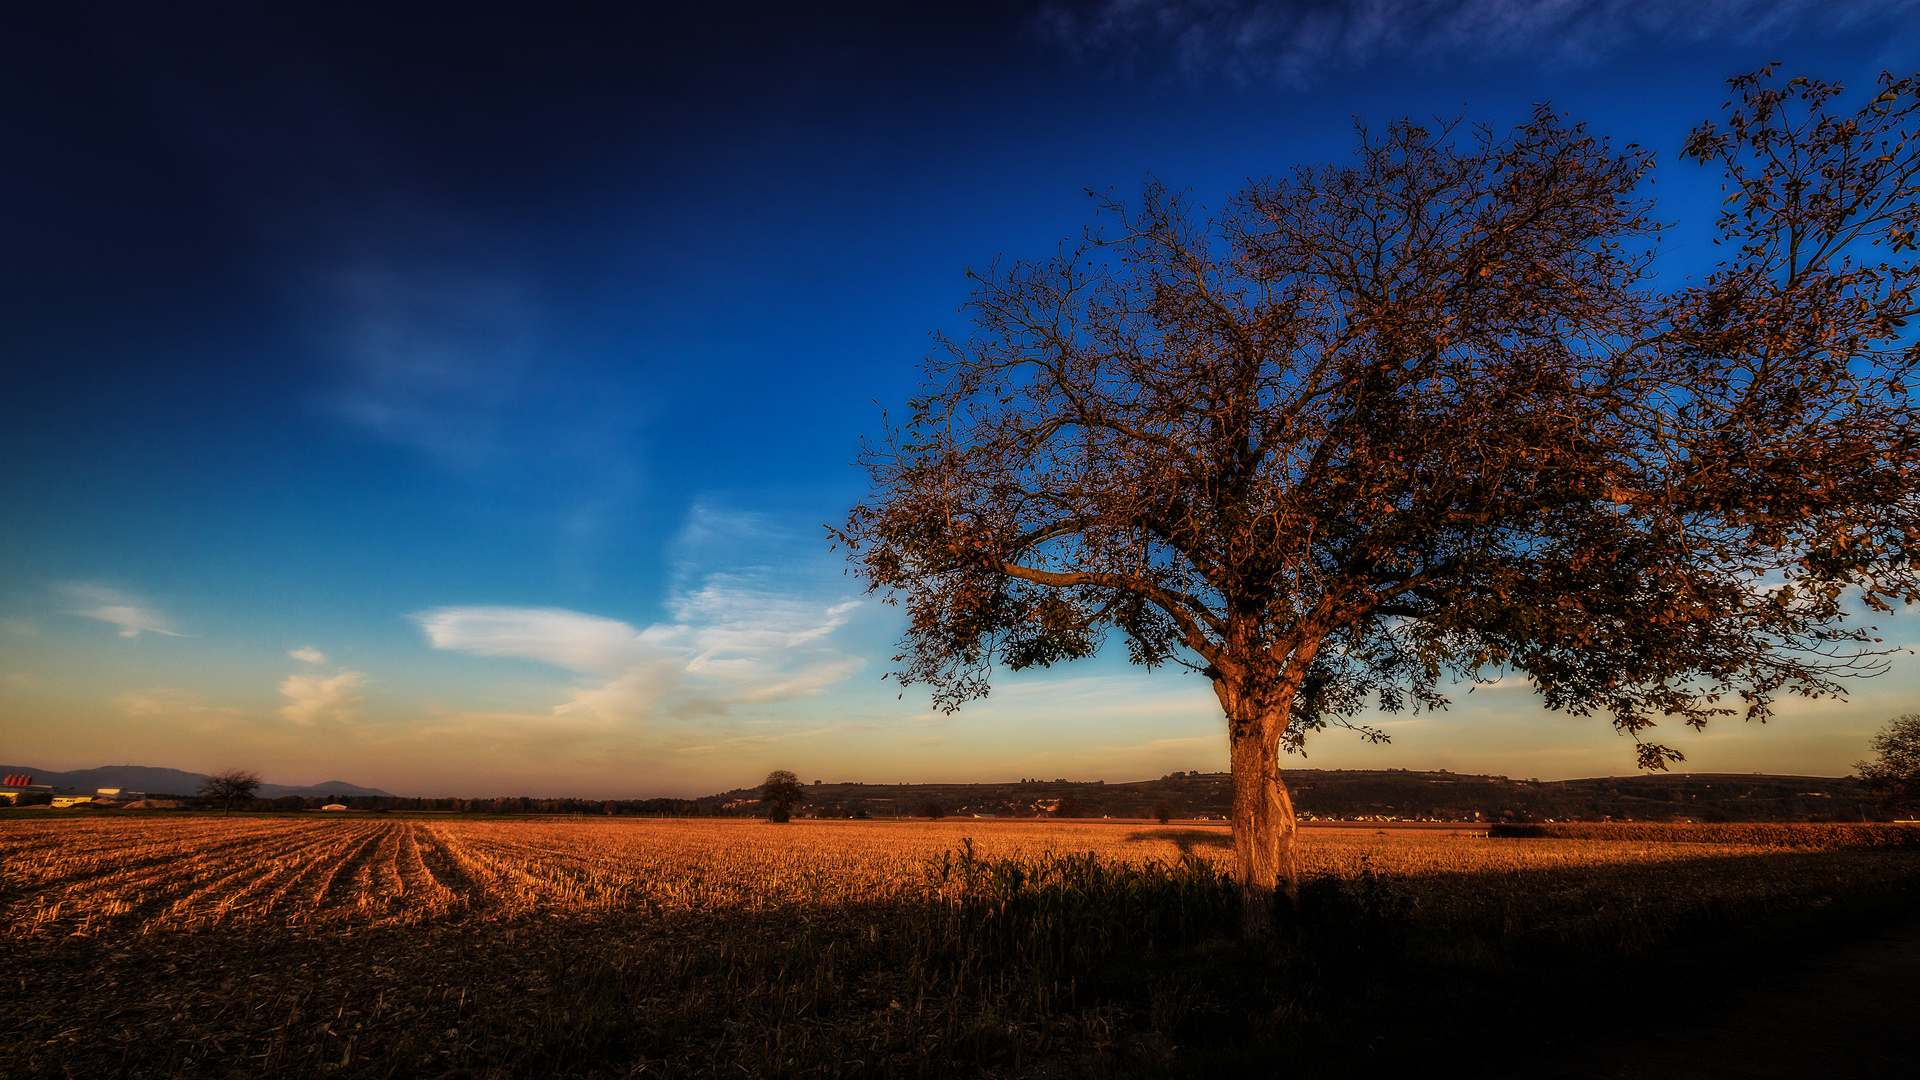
pixel 21 791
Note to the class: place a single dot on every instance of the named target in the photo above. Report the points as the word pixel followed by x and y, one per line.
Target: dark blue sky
pixel 509 357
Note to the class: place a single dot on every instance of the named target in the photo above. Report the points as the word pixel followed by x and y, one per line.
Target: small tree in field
pixel 781 792
pixel 1895 773
pixel 931 810
pixel 1069 807
pixel 1163 811
pixel 1428 415
pixel 229 786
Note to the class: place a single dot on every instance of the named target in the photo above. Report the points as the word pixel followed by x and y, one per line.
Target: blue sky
pixel 450 397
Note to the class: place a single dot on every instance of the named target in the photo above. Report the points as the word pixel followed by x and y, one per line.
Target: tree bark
pixel 1263 825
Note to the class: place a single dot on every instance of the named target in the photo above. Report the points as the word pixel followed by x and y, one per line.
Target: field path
pixel 1845 1012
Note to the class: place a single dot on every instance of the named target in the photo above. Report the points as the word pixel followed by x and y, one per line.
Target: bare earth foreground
pixel 375 945
pixel 1846 1011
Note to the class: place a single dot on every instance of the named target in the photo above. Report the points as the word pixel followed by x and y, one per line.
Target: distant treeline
pixel 1325 794
pixel 1366 794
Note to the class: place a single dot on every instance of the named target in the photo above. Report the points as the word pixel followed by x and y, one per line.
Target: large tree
pixel 781 791
pixel 1895 770
pixel 1430 415
pixel 228 786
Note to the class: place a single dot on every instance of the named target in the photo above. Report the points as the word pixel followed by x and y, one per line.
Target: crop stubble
pixel 124 876
pixel 374 945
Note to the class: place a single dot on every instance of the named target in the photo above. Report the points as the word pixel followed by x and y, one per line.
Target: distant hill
pixel 1369 793
pixel 325 787
pixel 171 781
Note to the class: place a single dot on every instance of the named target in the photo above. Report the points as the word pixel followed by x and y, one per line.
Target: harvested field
pixel 387 945
pixel 138 876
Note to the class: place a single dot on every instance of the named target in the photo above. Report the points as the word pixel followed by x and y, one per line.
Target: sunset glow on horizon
pixel 457 405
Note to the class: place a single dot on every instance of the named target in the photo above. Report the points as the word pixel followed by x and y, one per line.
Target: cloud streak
pixel 435 358
pixel 739 632
pixel 111 606
pixel 1293 42
pixel 730 644
pixel 172 709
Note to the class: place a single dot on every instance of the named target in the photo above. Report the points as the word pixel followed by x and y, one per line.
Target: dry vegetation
pixel 144 876
pixel 388 946
pixel 154 875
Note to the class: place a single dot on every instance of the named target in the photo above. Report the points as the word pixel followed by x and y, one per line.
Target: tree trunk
pixel 1263 825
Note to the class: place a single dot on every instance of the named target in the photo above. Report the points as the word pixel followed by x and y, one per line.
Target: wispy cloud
pixel 434 357
pixel 112 606
pixel 744 743
pixel 1296 41
pixel 568 639
pixel 740 635
pixel 746 648
pixel 315 699
pixel 308 653
pixel 173 707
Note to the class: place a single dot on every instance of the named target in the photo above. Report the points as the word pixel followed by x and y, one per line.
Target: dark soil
pixel 1851 1009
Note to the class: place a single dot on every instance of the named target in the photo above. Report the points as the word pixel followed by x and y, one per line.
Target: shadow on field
pixel 1187 839
pixel 1061 966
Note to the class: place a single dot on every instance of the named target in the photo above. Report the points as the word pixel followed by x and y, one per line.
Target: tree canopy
pixel 781 791
pixel 1895 770
pixel 230 785
pixel 1431 414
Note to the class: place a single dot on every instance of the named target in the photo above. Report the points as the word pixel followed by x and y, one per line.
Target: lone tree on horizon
pixel 781 791
pixel 1430 415
pixel 230 785
pixel 1895 770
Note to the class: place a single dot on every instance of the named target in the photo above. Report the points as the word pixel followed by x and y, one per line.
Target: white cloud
pixel 569 639
pixel 729 644
pixel 114 607
pixel 308 653
pixel 313 699
pixel 637 694
pixel 1294 41
pixel 738 636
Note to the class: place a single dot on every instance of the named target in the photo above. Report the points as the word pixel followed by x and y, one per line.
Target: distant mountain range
pixel 170 781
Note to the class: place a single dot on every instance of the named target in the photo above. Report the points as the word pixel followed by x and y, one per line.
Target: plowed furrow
pixel 89 864
pixel 267 893
pixel 334 890
pixel 440 863
pixel 420 881
pixel 172 886
pixel 292 896
pixel 376 885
